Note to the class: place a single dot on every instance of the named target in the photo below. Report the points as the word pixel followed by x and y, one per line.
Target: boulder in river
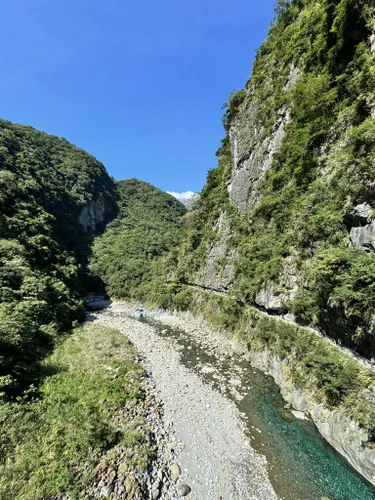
pixel 287 416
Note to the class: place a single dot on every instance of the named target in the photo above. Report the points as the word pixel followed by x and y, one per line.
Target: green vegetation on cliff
pixel 147 227
pixel 323 169
pixel 301 138
pixel 46 185
pixel 312 89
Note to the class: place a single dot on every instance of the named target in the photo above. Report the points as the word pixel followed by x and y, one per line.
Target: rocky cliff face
pixel 252 154
pixel 93 215
pixel 218 270
pixel 288 223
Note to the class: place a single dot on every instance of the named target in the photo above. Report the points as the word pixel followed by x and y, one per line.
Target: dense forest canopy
pixel 55 199
pixel 46 185
pixel 147 227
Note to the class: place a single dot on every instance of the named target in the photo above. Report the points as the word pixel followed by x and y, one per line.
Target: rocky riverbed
pixel 223 428
pixel 204 451
pixel 118 474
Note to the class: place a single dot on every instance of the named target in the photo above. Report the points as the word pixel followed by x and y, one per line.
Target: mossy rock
pixel 287 416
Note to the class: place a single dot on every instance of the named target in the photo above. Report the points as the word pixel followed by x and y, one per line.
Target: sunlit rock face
pixel 218 271
pixel 362 232
pixel 252 155
pixel 252 150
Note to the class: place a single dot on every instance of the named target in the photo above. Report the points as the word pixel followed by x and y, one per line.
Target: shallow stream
pixel 302 465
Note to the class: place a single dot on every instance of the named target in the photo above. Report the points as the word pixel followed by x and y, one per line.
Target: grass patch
pixel 52 441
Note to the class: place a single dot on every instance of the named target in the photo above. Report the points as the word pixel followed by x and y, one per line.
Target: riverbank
pixel 215 456
pixel 300 464
pixel 94 428
pixel 316 377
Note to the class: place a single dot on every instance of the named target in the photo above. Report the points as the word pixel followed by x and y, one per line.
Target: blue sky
pixel 138 84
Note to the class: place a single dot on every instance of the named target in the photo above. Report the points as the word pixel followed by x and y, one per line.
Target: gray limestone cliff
pixel 218 270
pixel 93 215
pixel 252 155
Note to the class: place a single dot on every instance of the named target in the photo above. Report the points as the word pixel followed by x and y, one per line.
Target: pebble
pixel 175 470
pixel 128 484
pixel 106 491
pixel 155 493
pixel 122 468
pixel 183 490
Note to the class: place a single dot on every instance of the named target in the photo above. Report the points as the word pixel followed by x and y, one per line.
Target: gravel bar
pixel 214 456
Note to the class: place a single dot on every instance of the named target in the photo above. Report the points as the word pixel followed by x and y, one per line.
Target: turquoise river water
pixel 302 465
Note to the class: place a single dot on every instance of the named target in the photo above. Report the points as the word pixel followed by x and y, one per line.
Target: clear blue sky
pixel 138 84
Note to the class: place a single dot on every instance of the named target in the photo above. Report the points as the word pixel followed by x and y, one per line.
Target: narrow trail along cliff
pixel 288 319
pixel 235 438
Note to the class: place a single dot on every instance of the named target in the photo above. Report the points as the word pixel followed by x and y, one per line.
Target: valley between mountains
pixel 219 350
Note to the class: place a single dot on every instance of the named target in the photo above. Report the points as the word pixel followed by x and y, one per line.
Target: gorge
pixel 274 266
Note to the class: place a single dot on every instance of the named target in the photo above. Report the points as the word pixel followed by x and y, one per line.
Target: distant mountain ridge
pixel 192 202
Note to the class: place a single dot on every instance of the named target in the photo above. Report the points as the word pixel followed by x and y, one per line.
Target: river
pixel 302 465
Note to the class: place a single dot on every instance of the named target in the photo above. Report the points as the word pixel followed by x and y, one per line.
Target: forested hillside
pixel 54 197
pixel 71 406
pixel 147 227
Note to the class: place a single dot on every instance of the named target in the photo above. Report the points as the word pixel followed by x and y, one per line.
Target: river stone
pixel 155 493
pixel 183 490
pixel 175 470
pixel 287 416
pixel 128 484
